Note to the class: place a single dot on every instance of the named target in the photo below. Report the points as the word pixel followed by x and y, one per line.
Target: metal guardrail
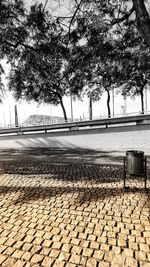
pixel 102 123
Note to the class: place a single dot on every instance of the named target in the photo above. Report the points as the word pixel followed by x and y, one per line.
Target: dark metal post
pixel 145 171
pixel 90 107
pixel 124 165
pixel 16 116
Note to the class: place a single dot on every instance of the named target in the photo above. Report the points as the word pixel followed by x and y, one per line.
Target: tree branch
pixel 126 16
pixel 74 15
pixel 45 5
pixel 143 20
pixel 22 44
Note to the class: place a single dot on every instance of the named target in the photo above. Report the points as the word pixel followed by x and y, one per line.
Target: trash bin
pixel 135 162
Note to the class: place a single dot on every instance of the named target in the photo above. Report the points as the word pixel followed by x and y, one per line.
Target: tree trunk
pixel 90 107
pixel 63 108
pixel 142 100
pixel 143 20
pixel 108 102
pixel 61 101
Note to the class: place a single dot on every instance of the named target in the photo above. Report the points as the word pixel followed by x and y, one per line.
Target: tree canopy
pixel 100 45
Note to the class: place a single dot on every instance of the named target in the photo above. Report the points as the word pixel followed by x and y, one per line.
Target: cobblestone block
pixel 144 247
pixel 94 245
pixel 47 262
pixel 140 255
pixel 36 249
pixel 17 254
pixel 91 263
pixel 9 262
pixel 83 261
pixel 54 253
pixel 112 241
pixel 87 252
pixel 18 244
pixel 47 243
pixel 3 240
pixel 131 262
pixel 2 258
pixel 27 247
pixel 19 263
pixel 76 250
pixel 28 239
pixel 27 256
pixel 36 258
pixel 105 247
pixel 98 254
pixel 64 256
pixel 9 251
pixel 75 259
pixel 66 247
pixel 118 260
pixel 84 243
pixel 37 241
pixel 133 246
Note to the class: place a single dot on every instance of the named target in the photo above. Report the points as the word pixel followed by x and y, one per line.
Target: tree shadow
pixel 62 155
pixel 65 171
pixel 82 194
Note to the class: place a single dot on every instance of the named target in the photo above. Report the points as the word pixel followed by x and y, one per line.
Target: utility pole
pixel 125 104
pixel 146 99
pixel 71 103
pixel 113 102
pixel 10 115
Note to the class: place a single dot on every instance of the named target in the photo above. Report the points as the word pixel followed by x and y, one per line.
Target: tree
pixel 41 49
pixel 142 19
pixel 136 75
pixel 35 45
pixel 108 30
pixel 38 59
pixel 95 47
pixel 12 28
pixel 115 12
pixel 38 74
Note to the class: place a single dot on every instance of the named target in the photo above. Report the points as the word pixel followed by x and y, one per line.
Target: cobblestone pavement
pixel 72 215
pixel 83 156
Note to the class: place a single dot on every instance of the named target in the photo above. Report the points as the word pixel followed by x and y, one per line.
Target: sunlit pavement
pixel 71 213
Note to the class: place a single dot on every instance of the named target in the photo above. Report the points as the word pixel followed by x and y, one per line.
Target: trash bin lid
pixel 134 152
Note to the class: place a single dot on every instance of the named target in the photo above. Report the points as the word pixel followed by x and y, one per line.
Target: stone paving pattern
pixel 72 215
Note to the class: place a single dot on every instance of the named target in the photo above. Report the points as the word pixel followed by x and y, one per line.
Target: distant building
pixel 43 119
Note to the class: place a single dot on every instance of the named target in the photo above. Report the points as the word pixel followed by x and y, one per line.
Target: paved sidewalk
pixel 71 213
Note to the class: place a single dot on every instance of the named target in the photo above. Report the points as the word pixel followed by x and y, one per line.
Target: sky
pixel 80 108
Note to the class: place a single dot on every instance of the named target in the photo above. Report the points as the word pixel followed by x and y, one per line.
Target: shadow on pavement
pixel 74 155
pixel 68 172
pixel 78 195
